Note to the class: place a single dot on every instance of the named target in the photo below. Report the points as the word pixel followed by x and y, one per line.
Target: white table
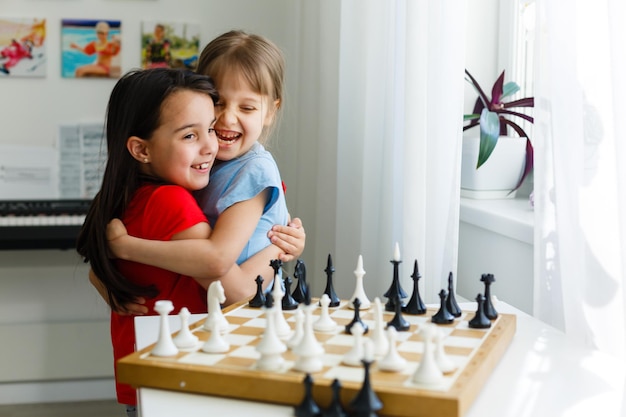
pixel 542 374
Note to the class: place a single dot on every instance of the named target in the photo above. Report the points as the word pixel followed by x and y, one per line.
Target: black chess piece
pixel 258 300
pixel 490 310
pixel 276 265
pixel 335 409
pixel 395 288
pixel 300 274
pixel 398 321
pixel 366 402
pixel 415 304
pixel 480 320
pixel 330 290
pixel 443 316
pixel 288 303
pixel 451 303
pixel 357 318
pixel 308 407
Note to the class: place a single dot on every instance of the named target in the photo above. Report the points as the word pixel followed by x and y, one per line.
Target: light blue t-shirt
pixel 241 179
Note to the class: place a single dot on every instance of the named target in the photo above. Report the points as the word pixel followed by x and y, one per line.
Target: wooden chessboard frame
pixel 141 370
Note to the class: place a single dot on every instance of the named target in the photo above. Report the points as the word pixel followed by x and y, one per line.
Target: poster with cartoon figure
pixel 90 48
pixel 22 47
pixel 170 45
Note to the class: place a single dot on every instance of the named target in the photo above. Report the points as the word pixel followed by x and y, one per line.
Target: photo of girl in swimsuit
pixel 91 48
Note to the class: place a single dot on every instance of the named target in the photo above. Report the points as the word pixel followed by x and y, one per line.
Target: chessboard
pixel 235 373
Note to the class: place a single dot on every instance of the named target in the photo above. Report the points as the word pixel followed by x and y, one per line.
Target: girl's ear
pixel 269 117
pixel 138 148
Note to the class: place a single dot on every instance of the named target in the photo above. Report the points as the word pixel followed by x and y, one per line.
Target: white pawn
pixel 392 362
pixel 216 342
pixel 309 350
pixel 325 323
pixel 359 291
pixel 165 345
pixel 270 347
pixel 380 339
pixel 282 328
pixel 216 297
pixel 427 371
pixel 185 339
pixel 354 356
pixel 299 330
pixel 443 362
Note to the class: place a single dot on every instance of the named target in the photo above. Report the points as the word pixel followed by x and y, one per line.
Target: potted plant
pixel 495 116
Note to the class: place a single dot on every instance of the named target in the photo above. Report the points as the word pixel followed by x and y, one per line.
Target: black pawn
pixel 357 318
pixel 335 409
pixel 398 321
pixel 443 316
pixel 490 310
pixel 288 303
pixel 415 304
pixel 330 290
pixel 308 407
pixel 299 294
pixel 480 320
pixel 276 264
pixel 451 303
pixel 395 289
pixel 258 300
pixel 366 402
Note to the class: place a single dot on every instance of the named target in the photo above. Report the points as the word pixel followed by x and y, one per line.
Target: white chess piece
pixel 282 328
pixel 443 361
pixel 309 350
pixel 359 291
pixel 297 335
pixel 165 345
pixel 392 362
pixel 270 347
pixel 325 323
pixel 379 337
pixel 216 297
pixel 354 356
pixel 216 342
pixel 427 371
pixel 185 339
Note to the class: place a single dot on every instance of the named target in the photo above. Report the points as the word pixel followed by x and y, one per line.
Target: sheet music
pixel 71 170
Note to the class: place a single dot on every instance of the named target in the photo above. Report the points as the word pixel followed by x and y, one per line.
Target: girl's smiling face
pixel 182 149
pixel 242 114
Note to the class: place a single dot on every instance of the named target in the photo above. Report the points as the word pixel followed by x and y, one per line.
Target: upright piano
pixel 41 224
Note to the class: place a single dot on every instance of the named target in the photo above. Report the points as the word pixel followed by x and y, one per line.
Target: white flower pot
pixel 496 177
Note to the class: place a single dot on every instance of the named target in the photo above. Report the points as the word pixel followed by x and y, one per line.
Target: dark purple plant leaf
pixel 480 91
pixel 496 91
pixel 514 113
pixel 522 102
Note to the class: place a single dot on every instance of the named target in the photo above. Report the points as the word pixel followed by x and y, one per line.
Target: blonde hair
pixel 257 59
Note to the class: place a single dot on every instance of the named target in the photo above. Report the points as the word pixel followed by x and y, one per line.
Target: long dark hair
pixel 134 109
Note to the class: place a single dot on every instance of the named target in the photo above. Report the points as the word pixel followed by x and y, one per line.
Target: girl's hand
pixel 136 308
pixel 291 239
pixel 116 231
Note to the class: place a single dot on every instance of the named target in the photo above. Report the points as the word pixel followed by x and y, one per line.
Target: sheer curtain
pixel 580 174
pixel 399 128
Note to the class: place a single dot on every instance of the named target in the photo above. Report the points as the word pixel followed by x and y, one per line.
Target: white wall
pixel 54 342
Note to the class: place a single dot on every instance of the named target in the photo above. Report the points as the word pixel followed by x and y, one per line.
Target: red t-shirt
pixel 156 213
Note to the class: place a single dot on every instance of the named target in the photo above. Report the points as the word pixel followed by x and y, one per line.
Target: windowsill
pixel 513 218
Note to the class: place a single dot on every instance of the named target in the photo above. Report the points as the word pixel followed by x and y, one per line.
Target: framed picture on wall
pixel 91 48
pixel 22 47
pixel 169 44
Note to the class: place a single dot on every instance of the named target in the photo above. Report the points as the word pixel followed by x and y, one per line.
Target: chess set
pixel 365 358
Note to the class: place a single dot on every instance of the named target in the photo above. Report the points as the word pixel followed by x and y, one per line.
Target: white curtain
pixel 580 174
pixel 400 117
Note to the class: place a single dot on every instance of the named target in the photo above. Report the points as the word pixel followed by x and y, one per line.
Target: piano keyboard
pixel 41 224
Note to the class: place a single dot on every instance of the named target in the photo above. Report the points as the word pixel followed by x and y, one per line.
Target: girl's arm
pixel 208 258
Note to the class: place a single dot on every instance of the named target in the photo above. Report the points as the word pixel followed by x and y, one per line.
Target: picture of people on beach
pixel 22 47
pixel 91 48
pixel 169 45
